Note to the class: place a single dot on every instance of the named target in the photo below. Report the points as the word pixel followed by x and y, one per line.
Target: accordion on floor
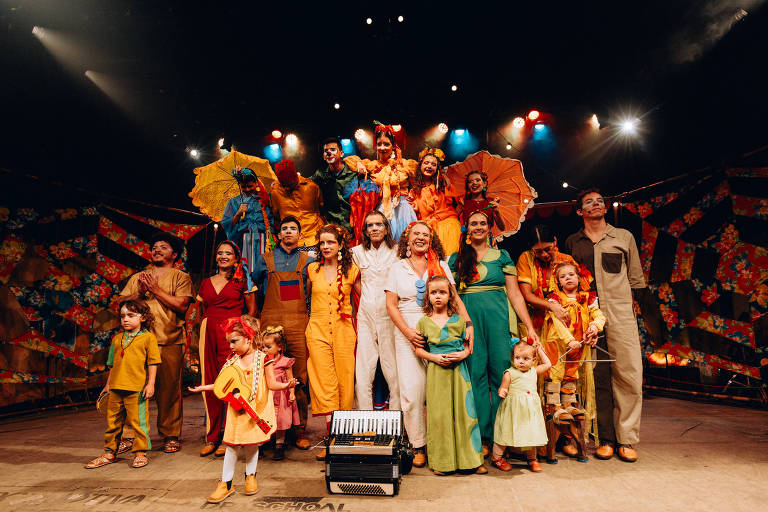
pixel 366 453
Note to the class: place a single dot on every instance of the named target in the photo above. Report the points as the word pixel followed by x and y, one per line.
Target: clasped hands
pixel 148 283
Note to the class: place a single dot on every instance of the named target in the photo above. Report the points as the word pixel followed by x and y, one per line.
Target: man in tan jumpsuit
pixel 611 255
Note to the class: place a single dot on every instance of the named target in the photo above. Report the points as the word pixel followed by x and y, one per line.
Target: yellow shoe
pixel 251 485
pixel 302 443
pixel 320 455
pixel 419 458
pixel 221 493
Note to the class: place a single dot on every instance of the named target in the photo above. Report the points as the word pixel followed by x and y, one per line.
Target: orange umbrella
pixel 215 185
pixel 506 182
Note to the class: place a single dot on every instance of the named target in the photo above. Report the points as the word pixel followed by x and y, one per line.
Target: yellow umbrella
pixel 215 185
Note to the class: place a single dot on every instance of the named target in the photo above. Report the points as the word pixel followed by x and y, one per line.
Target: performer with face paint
pixel 333 181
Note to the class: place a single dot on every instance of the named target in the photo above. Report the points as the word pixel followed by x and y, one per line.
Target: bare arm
pixel 358 285
pixel 504 388
pixel 531 298
pixel 414 336
pixel 470 330
pixel 291 392
pixel 515 298
pixel 272 382
pixel 250 303
pixel 545 363
pixel 198 389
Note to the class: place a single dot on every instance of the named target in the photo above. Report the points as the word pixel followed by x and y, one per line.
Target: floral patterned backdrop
pixel 704 251
pixel 59 271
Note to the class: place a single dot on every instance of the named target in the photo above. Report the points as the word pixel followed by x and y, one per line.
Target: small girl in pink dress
pixel 286 410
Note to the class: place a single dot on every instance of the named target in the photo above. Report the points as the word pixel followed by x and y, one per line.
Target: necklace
pixel 128 339
pixel 421 285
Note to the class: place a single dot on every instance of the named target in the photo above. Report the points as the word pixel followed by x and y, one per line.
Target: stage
pixel 693 457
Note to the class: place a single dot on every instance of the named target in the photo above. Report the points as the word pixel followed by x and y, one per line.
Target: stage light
pixel 291 139
pixel 442 128
pixel 454 87
pixel 629 126
pixel 540 127
pixel 533 115
pixel 518 122
pixel 509 146
pixel 397 127
pixel 277 134
pixel 615 204
pixel 359 134
pixel 336 106
pixel 347 146
pixel 400 19
pixel 565 184
pixel 273 152
pixel 369 21
pixel 460 132
pixel 221 142
pixel 38 31
pixel 526 201
pixel 460 144
pixel 594 121
pixel 194 153
pixel 215 225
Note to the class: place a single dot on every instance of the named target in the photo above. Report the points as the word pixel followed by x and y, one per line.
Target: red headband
pixel 229 327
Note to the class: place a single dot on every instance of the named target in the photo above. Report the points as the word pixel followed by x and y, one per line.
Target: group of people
pixel 413 284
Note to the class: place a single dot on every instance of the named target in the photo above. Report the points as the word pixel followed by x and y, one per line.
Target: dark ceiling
pixel 182 74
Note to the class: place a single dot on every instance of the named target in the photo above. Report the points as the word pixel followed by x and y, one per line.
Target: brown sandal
pixel 139 461
pixel 101 460
pixel 125 445
pixel 171 446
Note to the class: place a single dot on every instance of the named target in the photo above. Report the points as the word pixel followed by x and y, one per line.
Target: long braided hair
pixel 344 257
pixel 466 260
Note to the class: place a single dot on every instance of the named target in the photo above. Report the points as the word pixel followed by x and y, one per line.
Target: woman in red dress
pixel 226 294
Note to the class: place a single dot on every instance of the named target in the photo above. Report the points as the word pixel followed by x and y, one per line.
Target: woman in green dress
pixel 453 435
pixel 486 280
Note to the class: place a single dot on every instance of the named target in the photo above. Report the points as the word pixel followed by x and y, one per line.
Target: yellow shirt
pixel 303 203
pixel 129 363
pixel 169 325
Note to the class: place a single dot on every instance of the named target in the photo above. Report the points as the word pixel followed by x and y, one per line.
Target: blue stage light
pixel 540 127
pixel 273 153
pixel 460 144
pixel 347 146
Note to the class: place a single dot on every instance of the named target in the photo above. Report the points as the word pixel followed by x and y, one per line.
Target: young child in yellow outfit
pixel 241 429
pixel 134 357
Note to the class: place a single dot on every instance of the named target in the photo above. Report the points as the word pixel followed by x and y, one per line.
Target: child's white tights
pixel 230 458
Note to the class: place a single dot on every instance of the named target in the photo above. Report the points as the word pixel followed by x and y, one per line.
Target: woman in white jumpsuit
pixel 375 330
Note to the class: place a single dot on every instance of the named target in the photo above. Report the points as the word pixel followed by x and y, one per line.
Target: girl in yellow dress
pixel 241 430
pixel 330 332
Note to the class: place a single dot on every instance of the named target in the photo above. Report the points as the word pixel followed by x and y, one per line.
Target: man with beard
pixel 611 256
pixel 333 181
pixel 296 196
pixel 281 277
pixel 168 293
pixel 375 331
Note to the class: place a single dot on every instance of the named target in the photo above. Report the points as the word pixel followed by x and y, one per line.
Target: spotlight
pixel 291 139
pixel 273 152
pixel 565 184
pixel 397 127
pixel 526 201
pixel 347 146
pixel 442 128
pixel 221 142
pixel 194 153
pixel 38 31
pixel 615 204
pixel 460 132
pixel 533 115
pixel 215 225
pixel 277 134
pixel 454 87
pixel 629 126
pixel 540 126
pixel 400 19
pixel 509 146
pixel 336 106
pixel 359 134
pixel 594 121
pixel 518 122
pixel 369 21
